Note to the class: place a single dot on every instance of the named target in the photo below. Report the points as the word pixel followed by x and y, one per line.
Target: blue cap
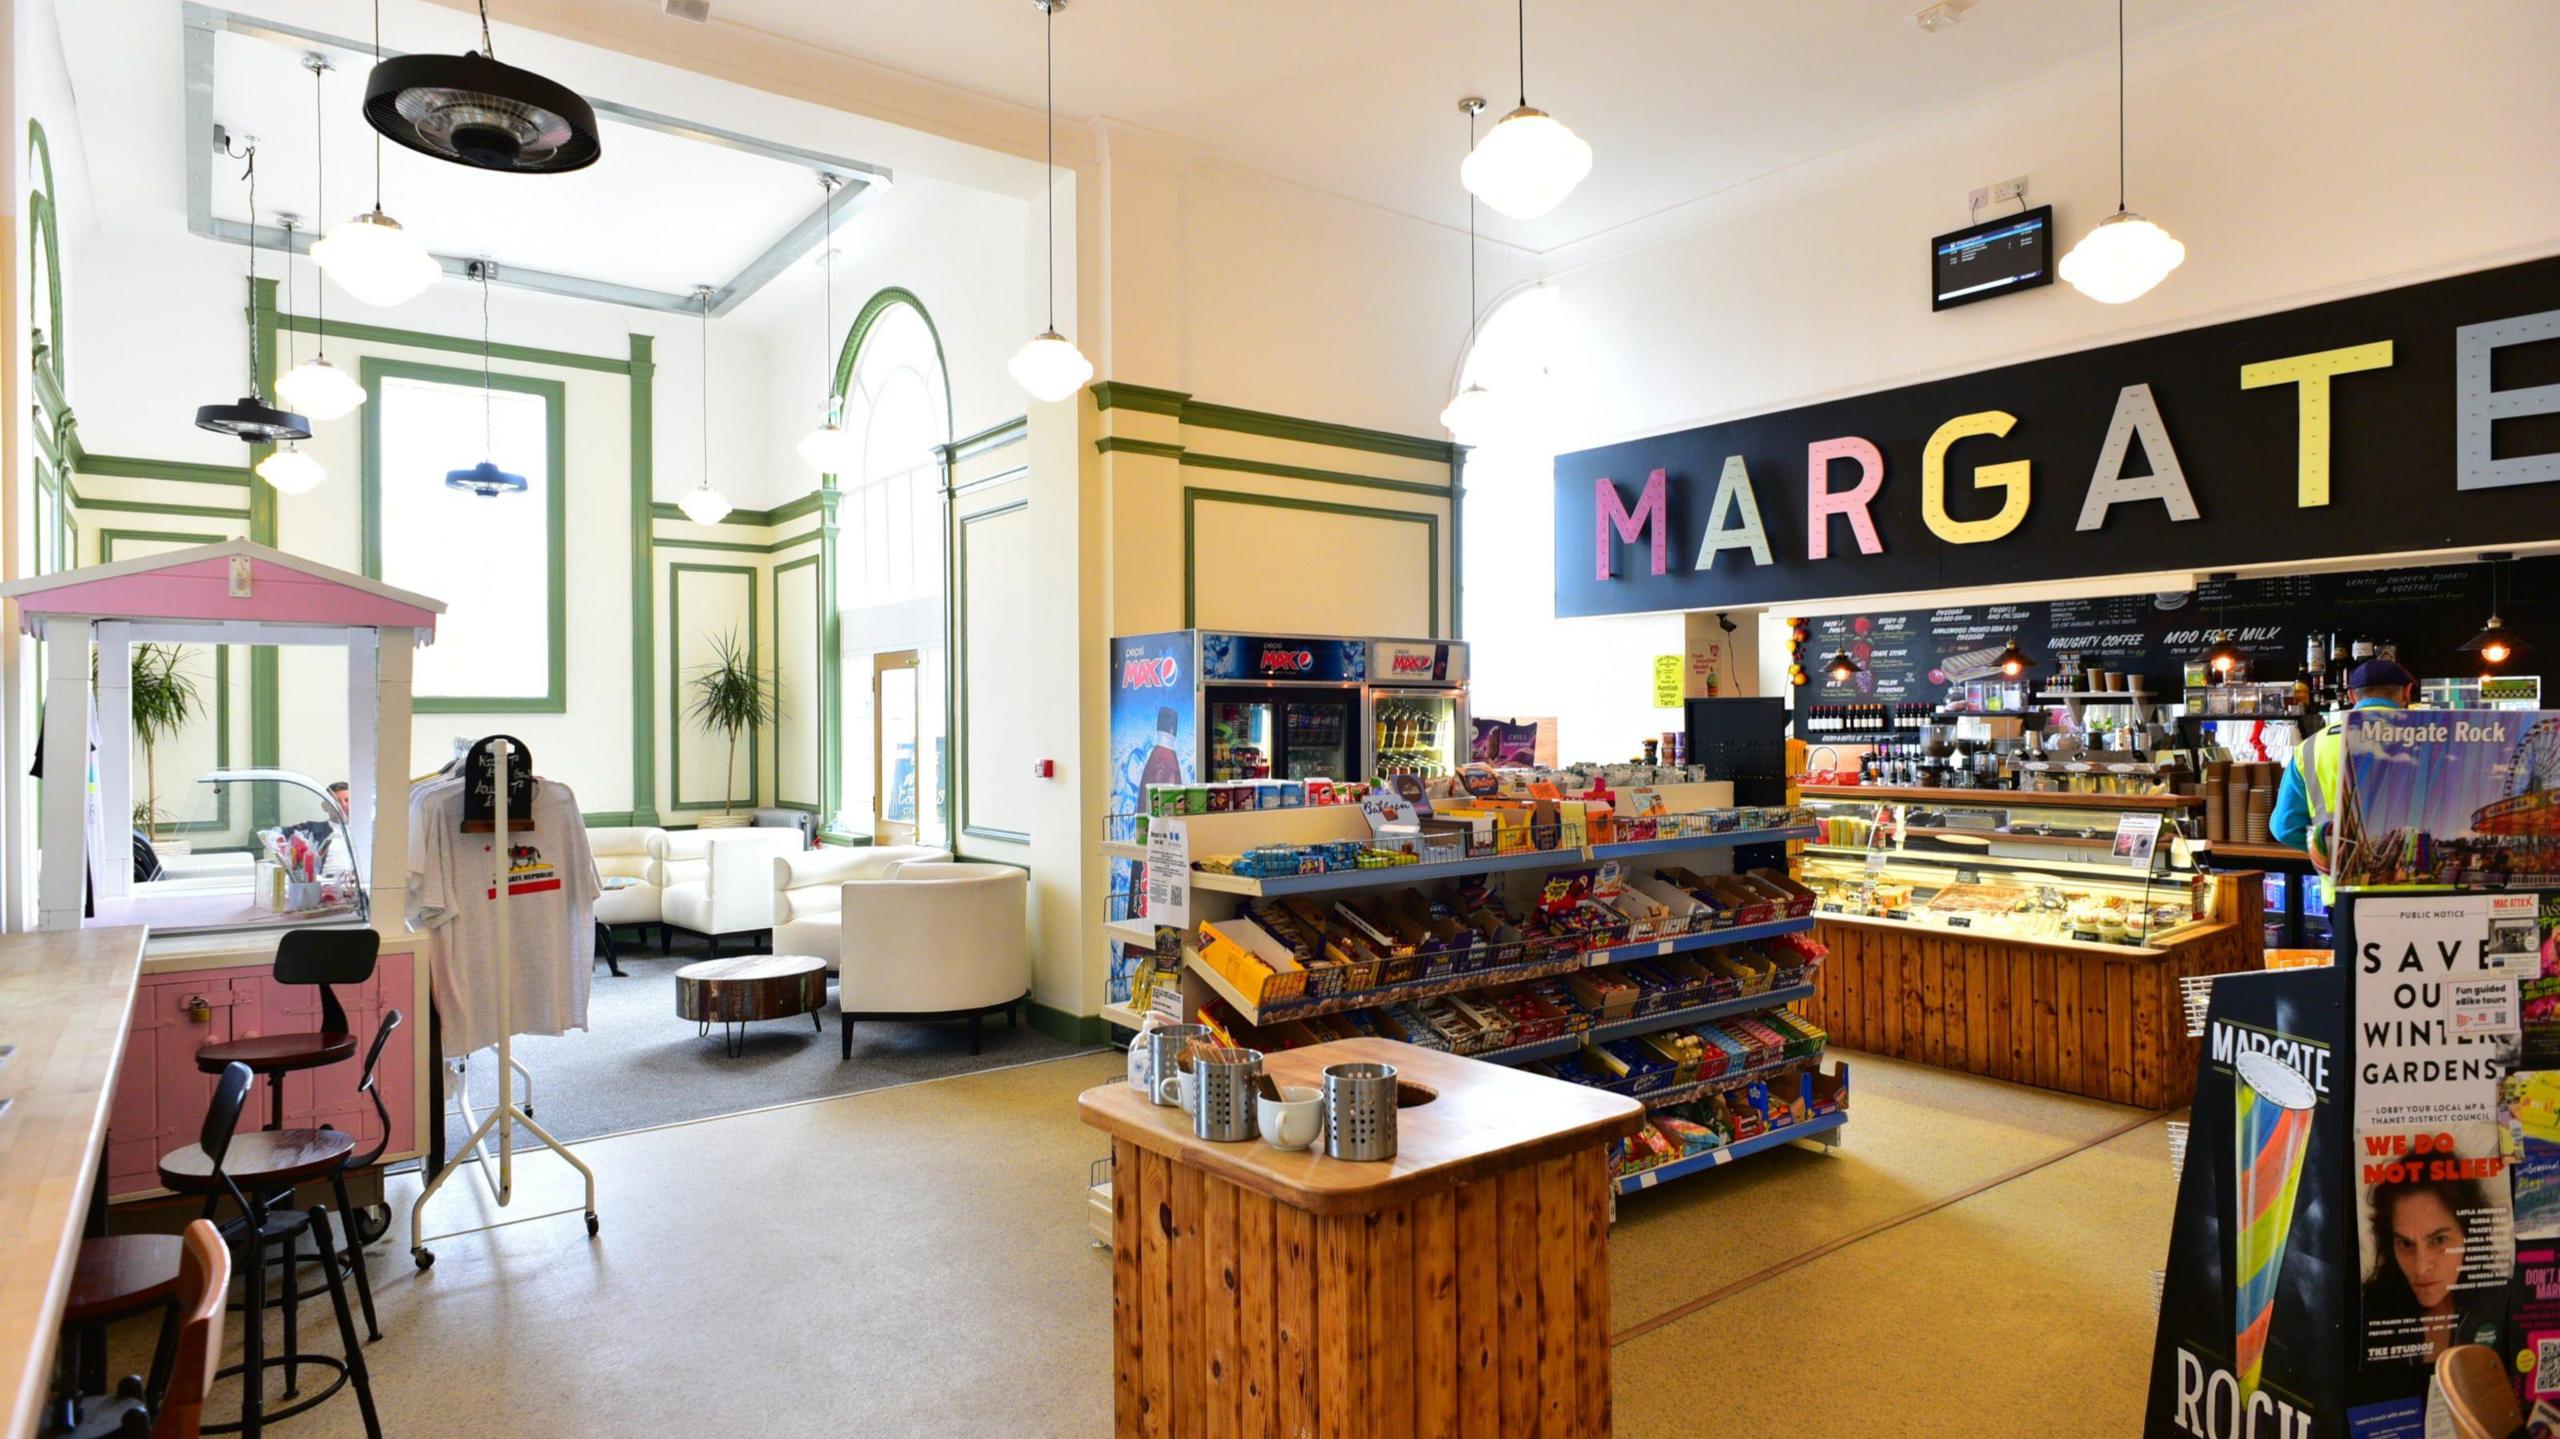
pixel 2374 674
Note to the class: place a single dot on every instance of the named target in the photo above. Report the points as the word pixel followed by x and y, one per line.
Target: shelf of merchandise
pixel 1484 978
pixel 1718 1084
pixel 1121 1015
pixel 1486 864
pixel 1123 849
pixel 1647 1024
pixel 1130 931
pixel 1726 1154
pixel 1997 798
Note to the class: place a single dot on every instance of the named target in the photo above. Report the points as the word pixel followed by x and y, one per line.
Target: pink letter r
pixel 1821 502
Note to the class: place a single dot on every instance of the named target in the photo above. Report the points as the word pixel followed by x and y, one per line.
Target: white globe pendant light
pixel 315 387
pixel 702 504
pixel 1048 366
pixel 291 471
pixel 828 449
pixel 1471 415
pixel 2126 255
pixel 1530 160
pixel 320 390
pixel 370 256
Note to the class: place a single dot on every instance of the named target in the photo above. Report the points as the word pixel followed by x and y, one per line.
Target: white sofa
pixel 718 883
pixel 808 892
pixel 623 853
pixel 940 940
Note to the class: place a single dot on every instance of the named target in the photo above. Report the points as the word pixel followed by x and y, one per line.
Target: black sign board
pixel 2408 419
pixel 480 786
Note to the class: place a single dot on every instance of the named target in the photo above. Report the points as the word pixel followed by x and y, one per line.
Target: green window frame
pixel 555 395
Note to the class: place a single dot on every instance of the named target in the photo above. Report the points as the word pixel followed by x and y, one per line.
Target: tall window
pixel 889 581
pixel 495 561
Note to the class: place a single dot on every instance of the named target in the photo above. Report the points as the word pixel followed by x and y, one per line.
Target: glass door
pixel 1416 733
pixel 1316 737
pixel 1240 737
pixel 896 735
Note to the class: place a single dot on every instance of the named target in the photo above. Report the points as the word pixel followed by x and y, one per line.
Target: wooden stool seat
pixel 277 1053
pixel 121 1274
pixel 260 1162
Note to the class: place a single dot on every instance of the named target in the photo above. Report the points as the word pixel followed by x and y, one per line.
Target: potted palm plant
pixel 730 697
pixel 164 699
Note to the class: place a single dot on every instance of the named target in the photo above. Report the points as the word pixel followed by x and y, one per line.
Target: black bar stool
pixel 351 1228
pixel 321 957
pixel 247 1168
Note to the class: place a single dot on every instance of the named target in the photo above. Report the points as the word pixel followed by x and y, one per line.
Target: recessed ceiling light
pixel 1945 15
pixel 697 11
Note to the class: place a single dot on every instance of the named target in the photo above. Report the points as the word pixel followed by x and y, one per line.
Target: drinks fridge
pixel 1417 708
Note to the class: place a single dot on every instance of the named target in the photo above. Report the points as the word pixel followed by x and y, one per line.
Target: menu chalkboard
pixel 1916 655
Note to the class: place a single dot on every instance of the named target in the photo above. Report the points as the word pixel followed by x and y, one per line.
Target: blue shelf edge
pixel 1701 939
pixel 1647 1024
pixel 1489 864
pixel 1713 1158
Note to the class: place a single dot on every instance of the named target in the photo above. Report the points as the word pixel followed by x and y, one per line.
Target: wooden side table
pixel 1460 1288
pixel 732 992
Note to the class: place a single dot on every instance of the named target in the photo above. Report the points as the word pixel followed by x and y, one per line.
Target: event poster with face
pixel 2436 1241
pixel 2467 798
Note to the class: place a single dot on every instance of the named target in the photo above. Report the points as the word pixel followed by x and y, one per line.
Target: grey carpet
pixel 638 1065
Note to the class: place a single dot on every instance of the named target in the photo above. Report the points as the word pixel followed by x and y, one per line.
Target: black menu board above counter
pixel 1915 656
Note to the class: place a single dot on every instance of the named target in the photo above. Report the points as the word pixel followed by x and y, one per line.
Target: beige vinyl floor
pixel 1975 1259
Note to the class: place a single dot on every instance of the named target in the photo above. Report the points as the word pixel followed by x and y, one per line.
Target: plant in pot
pixel 730 697
pixel 164 699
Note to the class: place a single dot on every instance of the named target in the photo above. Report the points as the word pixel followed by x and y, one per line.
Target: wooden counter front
pixel 2102 1020
pixel 66 999
pixel 1460 1288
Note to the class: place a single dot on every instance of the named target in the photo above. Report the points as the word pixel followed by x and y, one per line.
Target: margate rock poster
pixel 2467 798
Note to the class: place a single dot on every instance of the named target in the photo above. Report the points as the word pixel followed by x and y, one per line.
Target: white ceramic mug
pixel 1294 1120
pixel 1175 1089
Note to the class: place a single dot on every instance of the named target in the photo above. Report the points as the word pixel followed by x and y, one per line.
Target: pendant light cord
pixel 826 267
pixel 252 174
pixel 1521 21
pixel 377 135
pixel 488 403
pixel 487 46
pixel 289 351
pixel 1471 236
pixel 319 210
pixel 2119 107
pixel 706 386
pixel 1049 68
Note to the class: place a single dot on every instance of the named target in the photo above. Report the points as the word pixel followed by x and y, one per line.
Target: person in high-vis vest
pixel 2307 799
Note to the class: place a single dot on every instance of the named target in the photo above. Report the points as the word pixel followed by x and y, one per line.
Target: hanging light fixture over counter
pixel 1530 161
pixel 251 418
pixel 2126 255
pixel 702 504
pixel 826 449
pixel 315 387
pixel 1049 366
pixel 1472 413
pixel 472 110
pixel 485 479
pixel 370 256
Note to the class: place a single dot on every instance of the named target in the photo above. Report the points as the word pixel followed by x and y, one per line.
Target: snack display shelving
pixel 1817 1126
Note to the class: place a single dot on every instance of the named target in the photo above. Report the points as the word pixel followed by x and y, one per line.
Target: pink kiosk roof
pixel 197 583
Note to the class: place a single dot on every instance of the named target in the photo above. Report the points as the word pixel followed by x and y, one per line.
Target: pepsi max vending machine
pixel 1281 706
pixel 1417 720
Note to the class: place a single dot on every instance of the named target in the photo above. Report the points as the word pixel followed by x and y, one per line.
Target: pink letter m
pixel 1610 513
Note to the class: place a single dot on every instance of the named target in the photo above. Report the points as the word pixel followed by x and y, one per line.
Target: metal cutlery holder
pixel 1222 1099
pixel 1166 1045
pixel 1360 1111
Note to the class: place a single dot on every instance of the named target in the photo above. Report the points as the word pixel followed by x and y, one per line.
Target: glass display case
pixel 1416 733
pixel 2090 869
pixel 254 849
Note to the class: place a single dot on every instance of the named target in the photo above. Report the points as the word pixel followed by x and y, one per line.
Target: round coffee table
pixel 732 992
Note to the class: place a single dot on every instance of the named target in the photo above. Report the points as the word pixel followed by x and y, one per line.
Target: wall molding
pixel 1200 414
pixel 1193 498
pixel 993 437
pixel 676 681
pixel 956 656
pixel 817 644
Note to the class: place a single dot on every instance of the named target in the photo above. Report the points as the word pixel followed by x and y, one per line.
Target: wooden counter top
pixel 1485 1118
pixel 66 1000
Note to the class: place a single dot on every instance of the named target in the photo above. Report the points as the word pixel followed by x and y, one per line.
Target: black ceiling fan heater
pixel 473 110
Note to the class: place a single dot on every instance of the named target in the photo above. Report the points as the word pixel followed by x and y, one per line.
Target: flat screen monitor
pixel 1994 258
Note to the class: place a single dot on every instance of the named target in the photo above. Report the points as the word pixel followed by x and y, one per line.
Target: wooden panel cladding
pixel 2059 1017
pixel 1482 1309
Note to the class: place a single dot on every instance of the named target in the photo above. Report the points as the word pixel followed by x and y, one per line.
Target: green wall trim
pixel 1199 415
pixel 128 467
pixel 1193 459
pixel 1110 444
pixel 959 644
pixel 44 246
pixel 643 369
pixel 872 309
pixel 750 519
pixel 676 682
pixel 147 507
pixel 373 370
pixel 1192 499
pixel 993 437
pixel 793 509
pixel 266 701
pixel 735 547
pixel 1078 1029
pixel 458 344
pixel 1145 399
pixel 817 642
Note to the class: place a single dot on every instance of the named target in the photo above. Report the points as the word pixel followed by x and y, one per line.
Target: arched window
pixel 889 581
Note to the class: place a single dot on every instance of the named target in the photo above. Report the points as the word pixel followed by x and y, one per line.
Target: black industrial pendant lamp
pixel 2495 644
pixel 472 110
pixel 2013 661
pixel 485 479
pixel 253 419
pixel 2224 656
pixel 1841 668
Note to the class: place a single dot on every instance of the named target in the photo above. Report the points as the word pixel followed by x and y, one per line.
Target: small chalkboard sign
pixel 480 786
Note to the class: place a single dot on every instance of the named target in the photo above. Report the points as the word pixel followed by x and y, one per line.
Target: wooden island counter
pixel 1459 1288
pixel 2090 1017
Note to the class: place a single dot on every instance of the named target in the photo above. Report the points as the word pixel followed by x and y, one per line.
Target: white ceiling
pixel 1679 98
pixel 675 213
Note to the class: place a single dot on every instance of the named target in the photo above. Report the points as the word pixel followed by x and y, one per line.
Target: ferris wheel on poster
pixel 2532 805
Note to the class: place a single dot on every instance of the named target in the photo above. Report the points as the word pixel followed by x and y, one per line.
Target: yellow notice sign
pixel 1666 682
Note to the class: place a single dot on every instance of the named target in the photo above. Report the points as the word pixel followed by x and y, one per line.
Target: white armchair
pixel 941 940
pixel 808 892
pixel 623 853
pixel 717 883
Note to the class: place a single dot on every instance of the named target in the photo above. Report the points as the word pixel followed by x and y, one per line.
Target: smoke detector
pixel 1943 16
pixel 697 11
